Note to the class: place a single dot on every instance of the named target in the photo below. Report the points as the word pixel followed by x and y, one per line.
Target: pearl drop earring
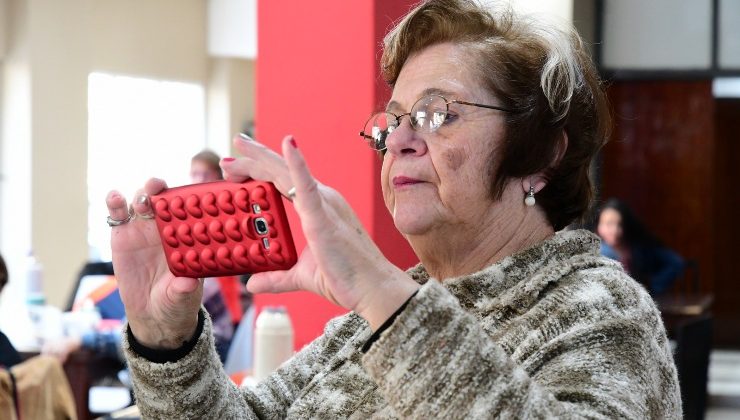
pixel 529 199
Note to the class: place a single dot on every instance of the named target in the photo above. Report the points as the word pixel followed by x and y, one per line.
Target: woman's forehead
pixel 443 69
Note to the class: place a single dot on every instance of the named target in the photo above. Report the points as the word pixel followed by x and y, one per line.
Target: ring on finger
pixel 115 222
pixel 147 216
pixel 291 193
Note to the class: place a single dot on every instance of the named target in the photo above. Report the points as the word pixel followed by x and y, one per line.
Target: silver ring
pixel 147 216
pixel 291 193
pixel 113 222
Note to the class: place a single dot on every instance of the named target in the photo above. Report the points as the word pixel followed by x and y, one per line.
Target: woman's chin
pixel 411 224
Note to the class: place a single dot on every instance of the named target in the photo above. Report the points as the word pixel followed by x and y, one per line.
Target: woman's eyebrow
pixel 428 91
pixel 392 105
pixel 438 91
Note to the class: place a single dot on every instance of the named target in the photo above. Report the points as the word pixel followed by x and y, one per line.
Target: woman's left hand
pixel 340 262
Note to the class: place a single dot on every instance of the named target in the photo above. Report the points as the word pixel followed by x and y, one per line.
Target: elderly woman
pixel 486 145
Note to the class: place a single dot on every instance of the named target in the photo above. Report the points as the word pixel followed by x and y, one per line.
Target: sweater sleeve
pixel 196 386
pixel 449 366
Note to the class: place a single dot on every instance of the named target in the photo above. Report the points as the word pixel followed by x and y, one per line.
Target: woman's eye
pixel 449 117
pixel 437 119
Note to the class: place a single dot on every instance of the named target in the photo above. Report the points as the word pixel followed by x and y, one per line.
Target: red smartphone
pixel 224 228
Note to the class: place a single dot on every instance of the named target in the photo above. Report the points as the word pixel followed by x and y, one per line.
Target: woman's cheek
pixel 454 158
pixel 386 188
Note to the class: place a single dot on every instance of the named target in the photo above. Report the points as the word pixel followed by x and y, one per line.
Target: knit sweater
pixel 556 331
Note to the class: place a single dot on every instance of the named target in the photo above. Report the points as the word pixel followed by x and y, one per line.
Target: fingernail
pixel 245 137
pixel 228 159
pixel 293 143
pixel 143 199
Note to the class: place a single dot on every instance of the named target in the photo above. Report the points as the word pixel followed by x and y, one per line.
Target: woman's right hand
pixel 340 262
pixel 162 309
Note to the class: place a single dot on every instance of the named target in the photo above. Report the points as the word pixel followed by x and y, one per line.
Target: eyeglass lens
pixel 382 124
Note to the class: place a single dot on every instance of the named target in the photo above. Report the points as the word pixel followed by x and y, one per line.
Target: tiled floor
pixel 724 385
pixel 715 413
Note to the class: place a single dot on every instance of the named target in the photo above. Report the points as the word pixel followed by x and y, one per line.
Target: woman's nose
pixel 404 140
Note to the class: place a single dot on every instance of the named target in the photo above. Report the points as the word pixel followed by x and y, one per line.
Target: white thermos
pixel 34 281
pixel 273 341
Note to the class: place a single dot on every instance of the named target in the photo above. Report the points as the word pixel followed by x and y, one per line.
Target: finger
pixel 235 178
pixel 235 170
pixel 262 162
pixel 154 186
pixel 142 204
pixel 185 285
pixel 259 162
pixel 272 282
pixel 230 171
pixel 307 197
pixel 251 148
pixel 117 207
pixel 275 171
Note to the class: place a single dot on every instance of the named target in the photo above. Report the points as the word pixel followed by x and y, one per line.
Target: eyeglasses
pixel 427 115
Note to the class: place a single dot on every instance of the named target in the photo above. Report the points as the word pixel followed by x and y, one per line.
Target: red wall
pixel 318 79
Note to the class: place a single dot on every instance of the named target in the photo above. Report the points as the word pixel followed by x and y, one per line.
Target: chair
pixel 90 268
pixel 689 282
pixel 36 389
pixel 95 372
pixel 693 346
pixel 686 312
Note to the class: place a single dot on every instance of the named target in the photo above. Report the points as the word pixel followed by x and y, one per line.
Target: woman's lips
pixel 403 181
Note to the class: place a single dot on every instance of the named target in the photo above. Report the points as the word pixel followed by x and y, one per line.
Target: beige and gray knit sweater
pixel 553 332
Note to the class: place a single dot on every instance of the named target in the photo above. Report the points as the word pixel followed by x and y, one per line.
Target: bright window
pixel 137 129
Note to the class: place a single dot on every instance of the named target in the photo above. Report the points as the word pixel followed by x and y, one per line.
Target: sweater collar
pixel 520 275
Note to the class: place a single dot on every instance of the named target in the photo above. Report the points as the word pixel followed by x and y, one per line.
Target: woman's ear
pixel 539 180
pixel 560 149
pixel 535 180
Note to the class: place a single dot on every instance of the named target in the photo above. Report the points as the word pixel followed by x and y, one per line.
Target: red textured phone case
pixel 224 228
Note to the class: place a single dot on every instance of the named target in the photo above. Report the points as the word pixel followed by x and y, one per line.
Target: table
pixel 684 305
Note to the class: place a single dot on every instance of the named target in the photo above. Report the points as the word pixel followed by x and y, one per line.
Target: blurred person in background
pixel 626 239
pixel 204 167
pixel 225 298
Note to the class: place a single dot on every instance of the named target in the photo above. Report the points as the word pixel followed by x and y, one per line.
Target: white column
pixel 15 168
pixel 60 64
pixel 230 101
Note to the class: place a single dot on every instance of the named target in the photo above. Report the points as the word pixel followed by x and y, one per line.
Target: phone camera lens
pixel 261 226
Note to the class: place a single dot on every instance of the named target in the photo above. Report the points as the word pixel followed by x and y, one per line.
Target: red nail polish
pixel 293 143
pixel 229 159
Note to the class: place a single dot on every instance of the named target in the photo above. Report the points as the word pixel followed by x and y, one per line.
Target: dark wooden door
pixel 672 157
pixel 727 222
